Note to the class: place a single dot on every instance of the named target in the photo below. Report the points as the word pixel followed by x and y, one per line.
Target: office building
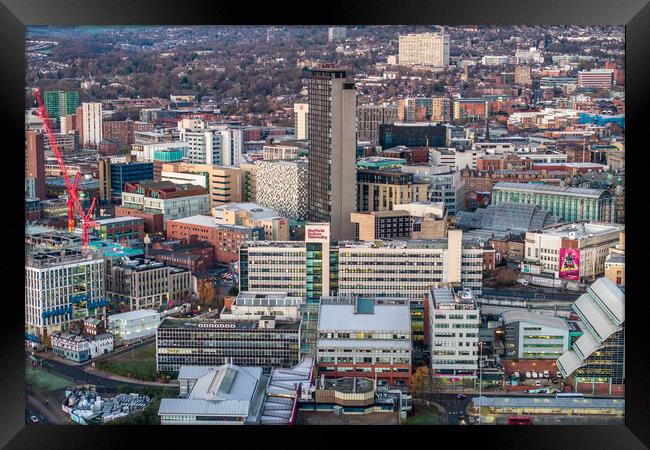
pixel 209 342
pixel 120 228
pixel 523 75
pixel 224 184
pixel 274 152
pixel 61 286
pixel 530 55
pixel 445 187
pixel 573 251
pixel 301 120
pixel 123 132
pixel 418 109
pixel 215 395
pixel 336 34
pixel 417 134
pixel 332 145
pixel 424 49
pixel 173 201
pixel 253 215
pixel 123 173
pixel 598 357
pixel 143 283
pixel 364 338
pixel 615 262
pixel 255 305
pixel 531 335
pixel 454 321
pixel 369 117
pixel 313 269
pixel 91 125
pixel 35 162
pixel 455 159
pixel 416 220
pixel 596 78
pixel 569 203
pixel 60 103
pixel 282 185
pixel 379 190
pixel 133 325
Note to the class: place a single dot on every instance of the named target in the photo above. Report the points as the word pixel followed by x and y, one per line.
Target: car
pixel 534 375
pixel 522 281
pixel 546 374
pixel 461 396
pixel 528 375
pixel 538 383
pixel 34 419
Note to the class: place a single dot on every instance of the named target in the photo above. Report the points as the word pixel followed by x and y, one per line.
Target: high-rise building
pixel 370 117
pixel 336 34
pixel 91 124
pixel 60 103
pixel 332 150
pixel 104 175
pixel 204 146
pixel 35 162
pixel 224 184
pixel 424 49
pixel 596 78
pixel 130 172
pixel 301 117
pixel 282 185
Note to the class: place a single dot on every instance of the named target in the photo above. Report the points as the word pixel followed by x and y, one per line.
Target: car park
pixel 528 375
pixel 534 374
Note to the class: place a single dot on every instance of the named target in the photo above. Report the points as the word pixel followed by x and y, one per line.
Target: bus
pixel 520 420
pixel 569 395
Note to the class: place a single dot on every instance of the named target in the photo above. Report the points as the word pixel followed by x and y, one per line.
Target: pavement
pixel 123 380
pixel 44 415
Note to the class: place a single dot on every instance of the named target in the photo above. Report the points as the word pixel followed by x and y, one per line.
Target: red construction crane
pixel 74 204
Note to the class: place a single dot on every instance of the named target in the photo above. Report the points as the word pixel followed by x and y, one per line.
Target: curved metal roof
pixel 507 216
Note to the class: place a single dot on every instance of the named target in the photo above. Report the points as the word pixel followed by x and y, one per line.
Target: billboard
pixel 569 264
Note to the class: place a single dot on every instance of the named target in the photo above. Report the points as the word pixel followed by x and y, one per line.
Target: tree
pixel 421 384
pixel 233 291
pixel 207 293
pixel 506 277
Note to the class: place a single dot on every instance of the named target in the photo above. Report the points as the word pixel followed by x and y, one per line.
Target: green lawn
pixel 139 364
pixel 428 416
pixel 42 380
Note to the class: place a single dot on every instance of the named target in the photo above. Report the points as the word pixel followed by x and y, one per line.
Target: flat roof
pixel 134 315
pixel 548 188
pixel 201 220
pixel 403 344
pixel 117 220
pixel 386 317
pixel 502 402
pixel 216 324
pixel 518 315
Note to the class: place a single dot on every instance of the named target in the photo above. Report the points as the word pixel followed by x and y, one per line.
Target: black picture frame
pixel 16 14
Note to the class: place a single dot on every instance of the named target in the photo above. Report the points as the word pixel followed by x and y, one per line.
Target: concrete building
pixel 424 49
pixel 371 269
pixel 282 185
pixel 224 184
pixel 416 134
pixel 416 220
pixel 332 145
pixel 62 285
pixel 301 120
pixel 443 186
pixel 91 124
pixel 173 201
pixel 336 34
pixel 35 162
pixel 529 55
pixel 209 342
pixel 255 305
pixel 523 75
pixel 273 152
pixel 276 227
pixel 370 117
pixel 133 325
pixel 454 321
pixel 215 395
pixel 596 78
pixel 569 203
pixel 364 337
pixel 531 335
pixel 589 244
pixel 615 262
pixel 598 356
pixel 454 159
pixel 146 284
pixel 379 190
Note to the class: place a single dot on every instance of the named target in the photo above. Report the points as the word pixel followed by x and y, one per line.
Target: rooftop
pixel 341 314
pixel 549 189
pixel 583 230
pixel 212 324
pixel 501 402
pixel 200 220
pixel 134 315
pixel 519 315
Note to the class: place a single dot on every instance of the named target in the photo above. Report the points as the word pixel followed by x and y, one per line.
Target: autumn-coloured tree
pixel 506 277
pixel 421 385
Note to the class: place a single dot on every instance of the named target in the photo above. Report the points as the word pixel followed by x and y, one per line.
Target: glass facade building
pixel 129 173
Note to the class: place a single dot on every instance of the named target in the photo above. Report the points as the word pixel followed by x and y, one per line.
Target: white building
pixel 185 178
pixel 276 151
pixel 61 286
pixel 531 55
pixel 336 34
pixel 232 143
pixel 223 395
pixel 591 240
pixel 81 348
pixel 254 305
pixel 364 338
pixel 494 60
pixel 530 335
pixel 454 321
pixel 282 186
pixel 424 49
pixel 92 124
pixel 172 208
pixel 301 114
pixel 136 324
pixel 455 159
pixel 203 147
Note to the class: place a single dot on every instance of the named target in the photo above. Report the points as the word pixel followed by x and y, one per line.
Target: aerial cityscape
pixel 325 225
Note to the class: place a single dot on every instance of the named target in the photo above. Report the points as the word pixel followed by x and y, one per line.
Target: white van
pixel 527 374
pixel 534 375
